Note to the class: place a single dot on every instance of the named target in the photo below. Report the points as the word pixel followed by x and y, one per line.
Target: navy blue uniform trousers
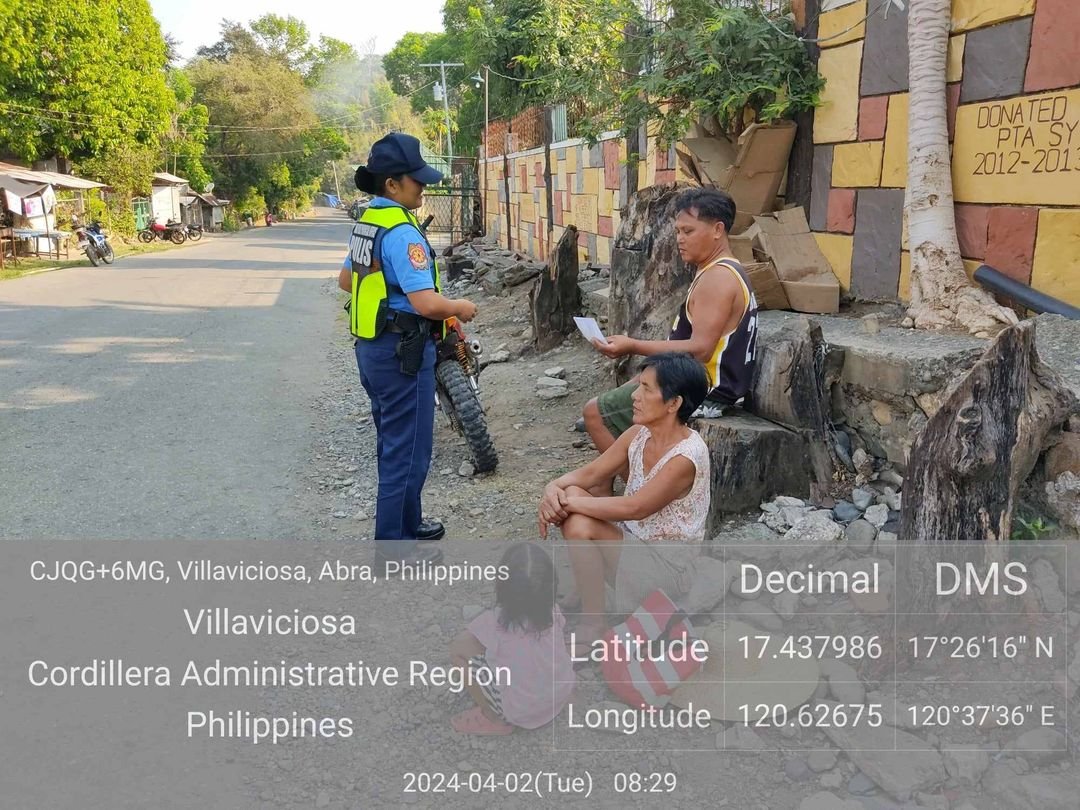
pixel 403 410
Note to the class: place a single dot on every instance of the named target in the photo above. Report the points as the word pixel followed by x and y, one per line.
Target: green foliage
pixel 127 169
pixel 79 79
pixel 402 66
pixel 249 201
pixel 185 143
pixel 539 51
pixel 718 61
pixel 1029 527
pixel 727 66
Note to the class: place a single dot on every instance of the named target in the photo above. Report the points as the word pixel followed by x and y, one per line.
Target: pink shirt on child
pixel 541 673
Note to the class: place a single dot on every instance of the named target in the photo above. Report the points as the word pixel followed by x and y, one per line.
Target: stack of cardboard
pixel 751 172
pixel 784 238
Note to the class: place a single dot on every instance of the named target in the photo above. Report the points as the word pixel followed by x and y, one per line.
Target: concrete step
pixel 595 296
pixel 887 384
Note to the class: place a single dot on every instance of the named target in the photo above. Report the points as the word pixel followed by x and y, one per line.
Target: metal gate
pixel 143 213
pixel 456 212
pixel 455 208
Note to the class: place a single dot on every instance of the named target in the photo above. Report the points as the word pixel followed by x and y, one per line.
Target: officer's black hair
pixel 679 375
pixel 708 204
pixel 382 179
pixel 525 599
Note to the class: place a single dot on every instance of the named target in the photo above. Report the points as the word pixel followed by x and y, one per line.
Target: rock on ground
pixel 917 766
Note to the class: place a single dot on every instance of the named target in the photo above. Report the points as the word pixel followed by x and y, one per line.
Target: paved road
pixel 168 396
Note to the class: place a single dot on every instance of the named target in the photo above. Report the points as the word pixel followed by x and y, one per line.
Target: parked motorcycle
pixel 194 232
pixel 175 232
pixel 94 243
pixel 457 393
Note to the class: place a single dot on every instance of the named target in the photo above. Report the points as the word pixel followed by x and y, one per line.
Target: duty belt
pixel 400 322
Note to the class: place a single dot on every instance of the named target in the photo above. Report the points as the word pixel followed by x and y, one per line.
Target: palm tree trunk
pixel 941 294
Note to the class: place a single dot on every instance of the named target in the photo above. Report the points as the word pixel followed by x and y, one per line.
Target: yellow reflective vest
pixel 370 305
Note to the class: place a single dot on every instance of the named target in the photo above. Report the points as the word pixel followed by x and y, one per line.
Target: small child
pixel 524 634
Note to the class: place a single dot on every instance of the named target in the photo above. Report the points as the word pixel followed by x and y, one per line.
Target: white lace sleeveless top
pixel 682 520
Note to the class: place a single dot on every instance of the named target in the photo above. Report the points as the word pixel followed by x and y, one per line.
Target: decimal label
pixel 804 647
pixel 820 715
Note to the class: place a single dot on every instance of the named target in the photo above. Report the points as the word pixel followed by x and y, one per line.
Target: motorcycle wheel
pixel 107 254
pixel 459 399
pixel 177 236
pixel 194 234
pixel 146 236
pixel 92 254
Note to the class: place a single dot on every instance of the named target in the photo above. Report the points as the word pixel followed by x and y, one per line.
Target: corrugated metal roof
pixel 169 179
pixel 52 178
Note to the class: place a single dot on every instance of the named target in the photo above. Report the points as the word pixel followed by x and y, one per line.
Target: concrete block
pixel 1056 269
pixel 1055 34
pixel 873 116
pixel 603 251
pixel 968 14
pixel 995 60
pixel 1020 151
pixel 593 180
pixel 820 185
pixel 971 227
pixel 895 162
pixel 1010 246
pixel 903 287
pixel 875 261
pixel 857 165
pixel 886 71
pixel 837 248
pixel 841 218
pixel 611 164
pixel 954 66
pixel 837 119
pixel 834 25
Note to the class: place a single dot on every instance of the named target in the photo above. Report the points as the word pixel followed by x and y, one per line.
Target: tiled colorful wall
pixel 1014 115
pixel 588 187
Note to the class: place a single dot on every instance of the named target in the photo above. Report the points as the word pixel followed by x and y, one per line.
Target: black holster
pixel 410 351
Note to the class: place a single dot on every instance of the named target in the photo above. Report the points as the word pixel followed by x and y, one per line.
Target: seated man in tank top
pixel 717 323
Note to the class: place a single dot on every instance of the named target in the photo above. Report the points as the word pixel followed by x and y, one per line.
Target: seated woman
pixel 649 537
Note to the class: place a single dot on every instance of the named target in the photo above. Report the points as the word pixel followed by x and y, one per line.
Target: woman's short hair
pixel 679 375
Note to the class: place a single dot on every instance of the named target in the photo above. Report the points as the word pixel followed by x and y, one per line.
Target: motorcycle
pixel 194 232
pixel 457 393
pixel 94 243
pixel 175 232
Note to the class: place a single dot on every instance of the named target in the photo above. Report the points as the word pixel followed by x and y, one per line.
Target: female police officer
pixel 396 308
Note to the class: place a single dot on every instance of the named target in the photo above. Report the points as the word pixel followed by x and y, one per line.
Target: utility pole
pixel 337 187
pixel 483 197
pixel 442 66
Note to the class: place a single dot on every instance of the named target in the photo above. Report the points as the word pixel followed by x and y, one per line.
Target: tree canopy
pixel 79 79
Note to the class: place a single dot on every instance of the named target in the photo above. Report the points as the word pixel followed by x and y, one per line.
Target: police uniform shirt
pixel 406 261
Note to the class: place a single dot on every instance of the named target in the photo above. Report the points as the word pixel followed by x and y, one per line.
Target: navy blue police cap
pixel 392 155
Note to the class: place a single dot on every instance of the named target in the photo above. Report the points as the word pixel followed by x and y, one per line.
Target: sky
pixel 197 22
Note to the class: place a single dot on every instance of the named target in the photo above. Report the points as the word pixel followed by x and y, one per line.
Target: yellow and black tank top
pixel 731 365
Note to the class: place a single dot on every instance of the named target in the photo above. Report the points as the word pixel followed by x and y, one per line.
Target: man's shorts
pixel 617 408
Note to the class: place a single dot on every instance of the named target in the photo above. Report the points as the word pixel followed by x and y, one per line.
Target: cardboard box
pixel 804 272
pixel 751 171
pixel 767 287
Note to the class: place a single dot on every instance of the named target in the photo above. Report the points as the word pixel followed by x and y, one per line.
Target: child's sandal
pixel 474 721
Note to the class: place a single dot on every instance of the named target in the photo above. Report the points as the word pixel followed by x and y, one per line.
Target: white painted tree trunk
pixel 941 294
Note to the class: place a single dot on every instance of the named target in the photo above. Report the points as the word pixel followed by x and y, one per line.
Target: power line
pixel 819 40
pixel 64 117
